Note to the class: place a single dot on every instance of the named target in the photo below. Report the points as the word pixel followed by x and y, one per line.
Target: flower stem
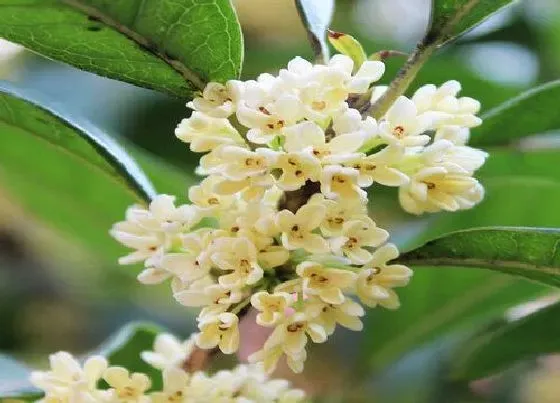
pixel 404 78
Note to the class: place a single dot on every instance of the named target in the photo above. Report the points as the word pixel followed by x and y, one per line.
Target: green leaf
pixel 530 113
pixel 437 301
pixel 527 252
pixel 491 351
pixel 169 46
pixel 15 381
pixel 316 16
pixel 70 186
pixel 451 18
pixel 349 46
pixel 124 348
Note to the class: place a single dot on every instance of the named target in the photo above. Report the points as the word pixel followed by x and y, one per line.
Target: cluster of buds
pixel 69 381
pixel 280 221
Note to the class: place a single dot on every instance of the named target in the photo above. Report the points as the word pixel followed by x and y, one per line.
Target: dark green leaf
pixel 55 173
pixel 527 252
pixel 451 18
pixel 15 382
pixel 124 348
pixel 316 16
pixel 170 46
pixel 438 301
pixel 494 350
pixel 530 113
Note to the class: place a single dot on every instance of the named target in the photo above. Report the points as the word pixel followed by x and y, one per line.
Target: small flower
pixel 204 292
pixel 235 163
pixel 297 168
pixel 338 213
pixel 168 352
pixel 219 330
pixel 297 228
pixel 176 388
pixel 272 307
pixel 310 136
pixel 403 126
pixel 206 197
pixel 341 183
pixel 377 279
pixel 380 168
pixel 436 188
pixel 239 257
pixel 355 237
pixel 67 377
pixel 127 387
pixel 204 133
pixel 217 100
pixel 325 283
pixel 346 314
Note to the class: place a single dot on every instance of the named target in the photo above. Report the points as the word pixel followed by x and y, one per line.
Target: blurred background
pixel 60 287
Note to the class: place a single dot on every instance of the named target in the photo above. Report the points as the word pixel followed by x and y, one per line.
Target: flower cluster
pixel 68 381
pixel 280 220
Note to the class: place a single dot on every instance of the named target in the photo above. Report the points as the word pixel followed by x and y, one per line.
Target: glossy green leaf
pixel 316 16
pixel 125 346
pixel 491 351
pixel 170 46
pixel 14 381
pixel 532 112
pixel 439 301
pixel 527 252
pixel 57 174
pixel 451 18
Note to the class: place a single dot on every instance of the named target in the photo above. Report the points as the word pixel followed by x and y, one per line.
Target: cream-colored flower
pixel 355 237
pixel 346 314
pixel 273 256
pixel 310 136
pixel 377 279
pixel 67 379
pixel 235 163
pixel 326 283
pixel 238 256
pixel 169 352
pixel 206 197
pixel 436 188
pixel 127 387
pixel 204 292
pixel 204 133
pixel 380 168
pixel 297 168
pixel 176 388
pixel 269 357
pixel 272 307
pixel 218 100
pixel 297 228
pixel 219 330
pixel 341 183
pixel 453 157
pixel 338 213
pixel 404 126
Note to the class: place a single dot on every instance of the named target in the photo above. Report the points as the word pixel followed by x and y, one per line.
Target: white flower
pixel 67 379
pixel 272 307
pixel 326 283
pixel 436 188
pixel 453 157
pixel 126 386
pixel 176 388
pixel 219 330
pixel 238 256
pixel 355 237
pixel 297 229
pixel 297 168
pixel 338 213
pixel 380 167
pixel 204 133
pixel 205 292
pixel 168 352
pixel 235 163
pixel 309 136
pixel 218 100
pixel 346 314
pixel 206 197
pixel 377 279
pixel 341 183
pixel 404 126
